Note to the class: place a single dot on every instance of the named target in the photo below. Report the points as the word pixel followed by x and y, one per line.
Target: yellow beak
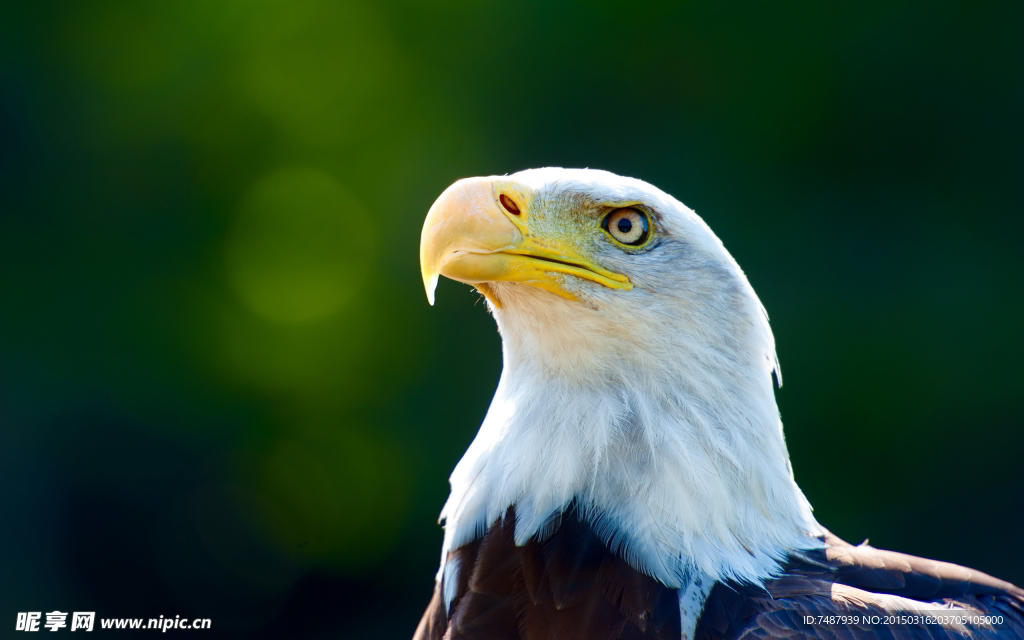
pixel 468 236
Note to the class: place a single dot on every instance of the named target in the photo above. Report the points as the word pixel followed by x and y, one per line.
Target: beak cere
pixel 468 236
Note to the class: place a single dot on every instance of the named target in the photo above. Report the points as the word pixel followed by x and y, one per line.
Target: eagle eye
pixel 628 226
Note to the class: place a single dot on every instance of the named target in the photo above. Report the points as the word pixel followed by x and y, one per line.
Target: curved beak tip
pixel 430 284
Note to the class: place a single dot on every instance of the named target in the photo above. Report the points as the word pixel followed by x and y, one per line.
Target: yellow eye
pixel 628 226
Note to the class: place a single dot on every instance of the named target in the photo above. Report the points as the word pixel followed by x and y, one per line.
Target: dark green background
pixel 223 394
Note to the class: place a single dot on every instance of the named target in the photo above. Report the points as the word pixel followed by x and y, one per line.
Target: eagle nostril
pixel 509 204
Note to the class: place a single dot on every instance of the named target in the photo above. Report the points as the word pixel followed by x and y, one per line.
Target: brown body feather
pixel 570 586
pixel 566 587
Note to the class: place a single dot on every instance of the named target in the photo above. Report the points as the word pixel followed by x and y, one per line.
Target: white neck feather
pixel 678 462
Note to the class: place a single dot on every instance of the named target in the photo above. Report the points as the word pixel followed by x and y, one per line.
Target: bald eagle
pixel 631 478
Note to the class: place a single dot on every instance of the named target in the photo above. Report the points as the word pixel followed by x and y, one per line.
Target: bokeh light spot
pixel 299 247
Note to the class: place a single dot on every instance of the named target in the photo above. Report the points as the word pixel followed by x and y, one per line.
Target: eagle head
pixel 637 379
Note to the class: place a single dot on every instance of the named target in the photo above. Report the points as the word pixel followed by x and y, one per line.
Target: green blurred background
pixel 223 394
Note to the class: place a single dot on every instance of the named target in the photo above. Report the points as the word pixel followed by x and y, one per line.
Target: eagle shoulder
pixel 846 592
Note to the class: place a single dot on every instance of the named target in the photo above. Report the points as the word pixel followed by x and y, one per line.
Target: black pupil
pixel 624 225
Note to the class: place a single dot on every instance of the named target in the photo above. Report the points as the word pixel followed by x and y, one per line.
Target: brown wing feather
pixel 909 576
pixel 568 586
pixel 433 624
pixel 848 580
